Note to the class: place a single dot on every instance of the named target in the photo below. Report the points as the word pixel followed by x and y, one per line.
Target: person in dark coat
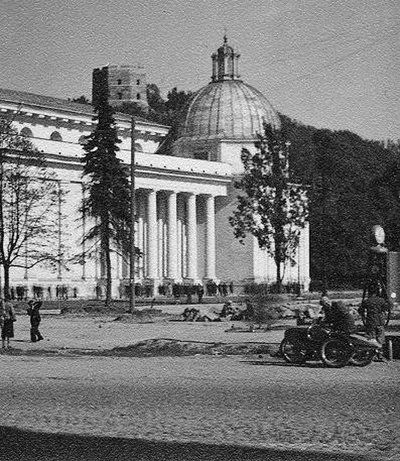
pixel 7 319
pixel 342 320
pixel 33 312
pixel 200 292
pixel 372 311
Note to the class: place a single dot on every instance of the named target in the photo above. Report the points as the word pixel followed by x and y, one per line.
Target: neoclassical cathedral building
pixel 183 199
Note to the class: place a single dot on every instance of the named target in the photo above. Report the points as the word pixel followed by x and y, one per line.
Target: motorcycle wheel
pixel 362 357
pixel 335 353
pixel 293 351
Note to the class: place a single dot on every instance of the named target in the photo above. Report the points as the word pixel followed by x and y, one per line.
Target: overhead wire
pixel 316 71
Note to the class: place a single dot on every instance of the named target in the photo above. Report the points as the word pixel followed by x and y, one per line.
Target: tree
pixel 273 209
pixel 108 197
pixel 345 202
pixel 154 99
pixel 81 100
pixel 29 206
pixel 385 196
pixel 176 101
pixel 350 192
pixel 175 106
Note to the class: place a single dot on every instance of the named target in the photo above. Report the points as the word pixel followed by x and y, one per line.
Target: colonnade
pixel 167 229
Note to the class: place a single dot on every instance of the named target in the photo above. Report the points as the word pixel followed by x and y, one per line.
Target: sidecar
pixel 303 343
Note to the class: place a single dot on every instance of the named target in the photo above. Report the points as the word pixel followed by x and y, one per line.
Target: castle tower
pixel 125 84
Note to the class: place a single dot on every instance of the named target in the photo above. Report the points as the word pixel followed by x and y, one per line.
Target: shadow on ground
pixel 21 445
pixel 276 363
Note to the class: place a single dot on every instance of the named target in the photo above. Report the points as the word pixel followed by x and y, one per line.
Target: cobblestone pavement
pixel 304 412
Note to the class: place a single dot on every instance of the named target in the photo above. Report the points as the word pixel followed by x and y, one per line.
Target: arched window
pixel 119 95
pixel 55 136
pixel 138 96
pixel 138 147
pixel 27 132
pixel 83 140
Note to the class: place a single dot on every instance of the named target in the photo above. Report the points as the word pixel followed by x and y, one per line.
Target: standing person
pixel 372 312
pixel 33 312
pixel 200 293
pixel 7 323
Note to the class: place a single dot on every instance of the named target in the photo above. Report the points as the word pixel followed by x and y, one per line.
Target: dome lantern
pixel 225 63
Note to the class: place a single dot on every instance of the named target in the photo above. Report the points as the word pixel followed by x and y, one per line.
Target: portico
pixel 168 233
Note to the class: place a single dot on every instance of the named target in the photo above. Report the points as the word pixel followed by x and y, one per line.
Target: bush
pixel 265 308
pixel 272 288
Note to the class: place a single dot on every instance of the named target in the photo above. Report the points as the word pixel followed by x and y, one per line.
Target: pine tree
pixel 107 200
pixel 273 210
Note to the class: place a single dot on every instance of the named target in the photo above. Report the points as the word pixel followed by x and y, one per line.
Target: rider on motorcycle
pixel 337 316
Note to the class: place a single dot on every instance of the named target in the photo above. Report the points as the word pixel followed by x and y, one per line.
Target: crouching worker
pixel 33 312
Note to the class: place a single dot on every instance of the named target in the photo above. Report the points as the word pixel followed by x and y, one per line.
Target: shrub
pixel 272 288
pixel 265 307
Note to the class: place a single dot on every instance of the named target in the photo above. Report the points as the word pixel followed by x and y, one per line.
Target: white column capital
pixel 150 189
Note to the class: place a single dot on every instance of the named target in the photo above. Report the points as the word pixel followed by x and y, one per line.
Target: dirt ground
pixel 104 332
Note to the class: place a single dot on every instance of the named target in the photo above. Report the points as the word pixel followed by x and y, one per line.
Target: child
pixel 7 323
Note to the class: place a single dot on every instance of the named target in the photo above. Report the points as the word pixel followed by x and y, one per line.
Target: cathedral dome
pixel 226 108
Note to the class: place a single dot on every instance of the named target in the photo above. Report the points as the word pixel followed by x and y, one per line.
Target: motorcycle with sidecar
pixel 319 342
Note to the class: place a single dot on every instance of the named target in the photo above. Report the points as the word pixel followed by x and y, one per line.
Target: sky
pixel 327 63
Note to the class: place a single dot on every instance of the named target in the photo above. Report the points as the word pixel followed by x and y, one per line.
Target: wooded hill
pixel 353 184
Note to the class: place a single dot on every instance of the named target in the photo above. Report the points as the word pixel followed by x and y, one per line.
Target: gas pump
pixel 380 276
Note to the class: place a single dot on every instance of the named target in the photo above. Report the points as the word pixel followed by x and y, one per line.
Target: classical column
pixel 141 240
pixel 210 237
pixel 192 236
pixel 172 237
pixel 152 234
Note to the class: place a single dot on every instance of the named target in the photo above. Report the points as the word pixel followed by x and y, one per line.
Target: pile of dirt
pixel 157 348
pixel 169 347
pixel 120 310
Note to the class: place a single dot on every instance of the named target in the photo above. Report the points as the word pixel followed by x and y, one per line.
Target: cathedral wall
pixel 234 261
pixel 71 136
pixel 143 144
pixel 230 152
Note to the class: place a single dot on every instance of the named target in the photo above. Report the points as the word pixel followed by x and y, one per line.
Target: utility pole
pixel 132 229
